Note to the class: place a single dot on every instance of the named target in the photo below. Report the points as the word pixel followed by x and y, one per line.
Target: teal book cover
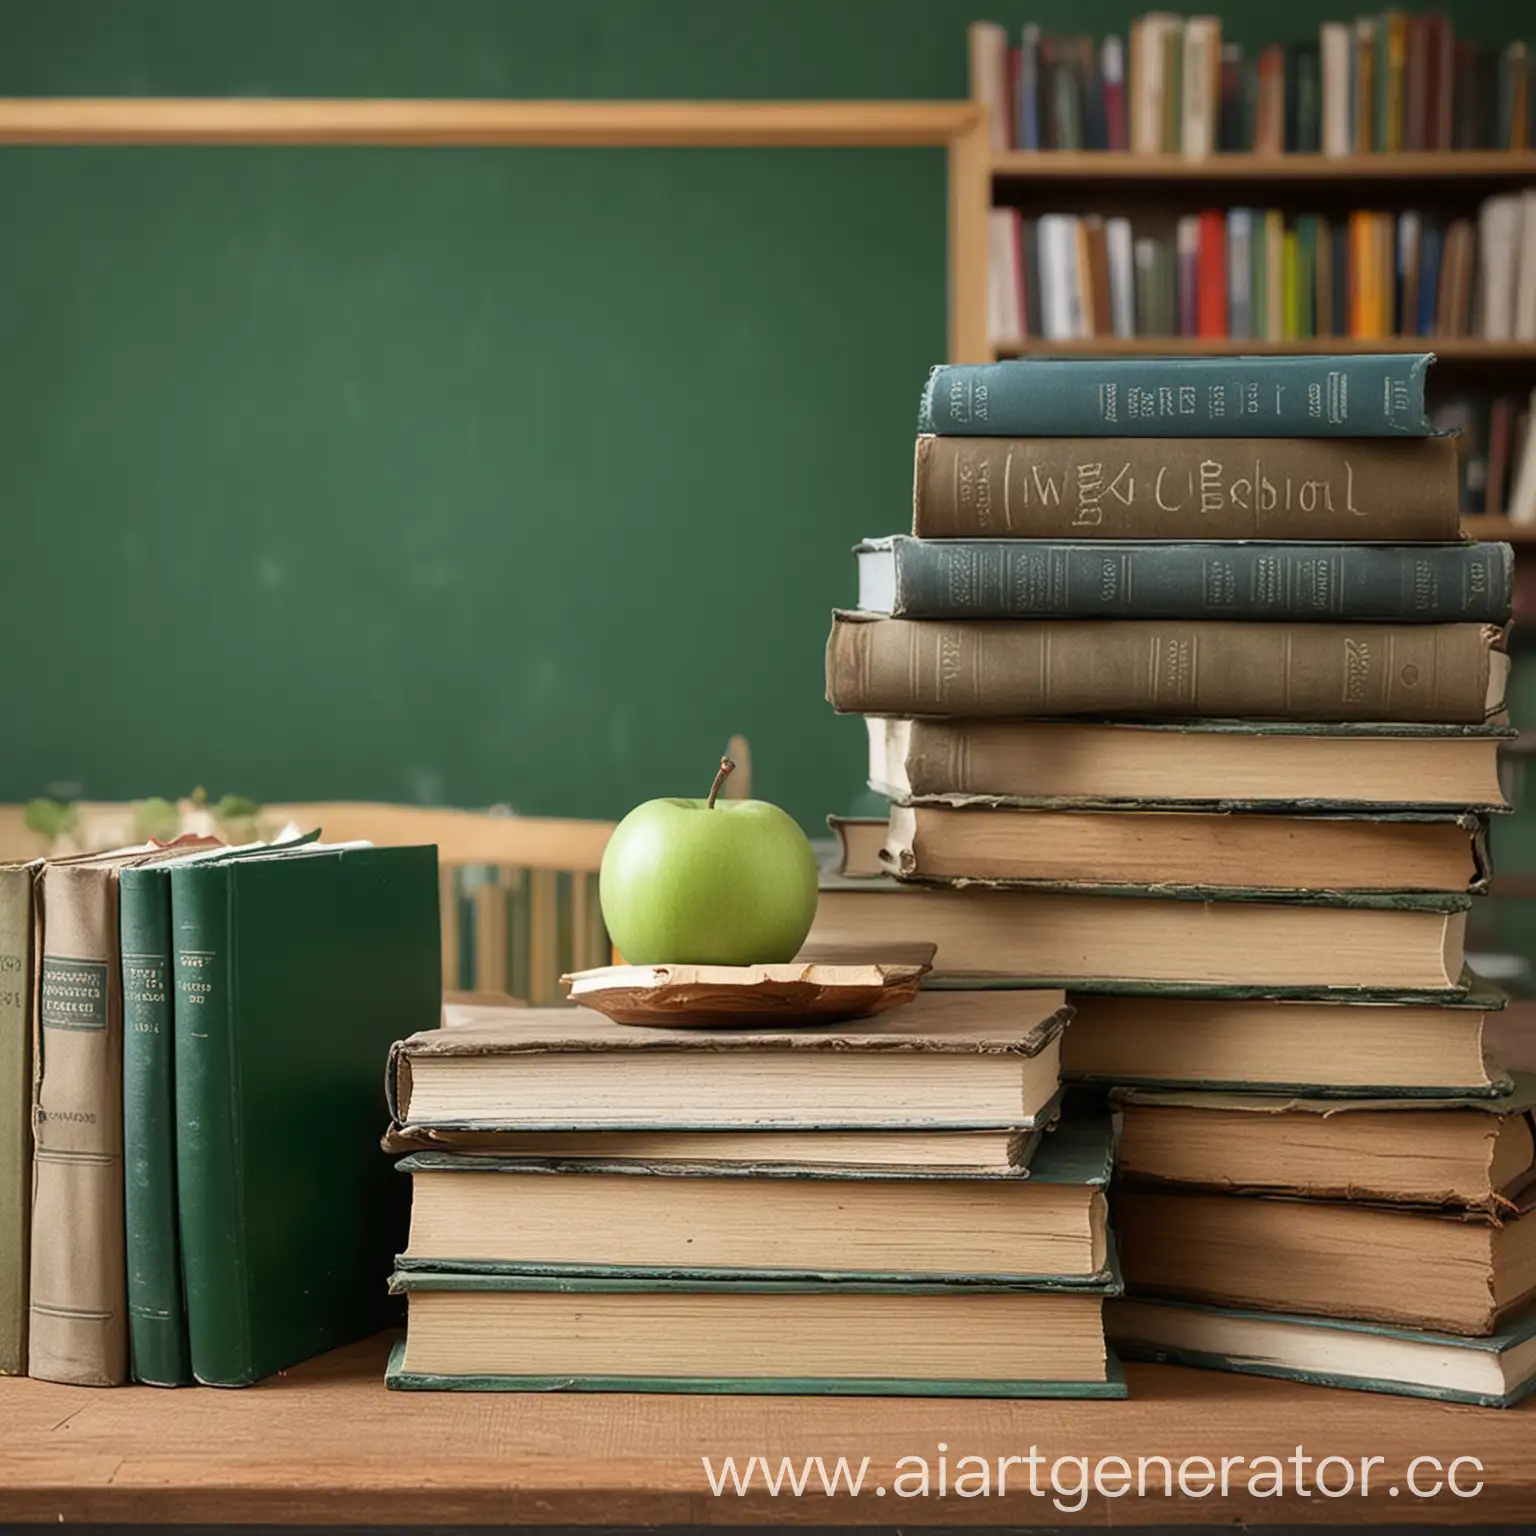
pixel 293 975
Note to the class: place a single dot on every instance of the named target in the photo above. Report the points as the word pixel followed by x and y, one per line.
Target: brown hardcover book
pixel 1472 1153
pixel 1361 490
pixel 1365 72
pixel 1407 1050
pixel 1501 421
pixel 1409 1268
pixel 78 1319
pixel 1207 669
pixel 1269 116
pixel 1416 103
pixel 1410 235
pixel 1015 845
pixel 1442 82
pixel 1222 766
pixel 1453 315
pixel 1407 945
pixel 1100 318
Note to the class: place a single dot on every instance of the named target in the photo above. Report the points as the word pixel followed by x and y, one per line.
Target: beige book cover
pixel 78 1312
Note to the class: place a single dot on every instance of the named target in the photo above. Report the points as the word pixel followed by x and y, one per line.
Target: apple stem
pixel 726 767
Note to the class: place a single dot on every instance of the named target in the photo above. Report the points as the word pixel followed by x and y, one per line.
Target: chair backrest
pixel 518 894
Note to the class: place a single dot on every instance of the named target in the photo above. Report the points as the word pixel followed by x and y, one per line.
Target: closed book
pixel 1525 270
pixel 1290 288
pixel 1494 1372
pixel 1441 88
pixel 1366 395
pixel 1200 78
pixel 526 1333
pixel 1500 225
pixel 1005 277
pixel 1325 314
pixel 1217 853
pixel 1430 245
pixel 1122 282
pixel 1172 40
pixel 1112 72
pixel 1409 240
pixel 1232 137
pixel 989 79
pixel 1364 78
pixel 1269 120
pixel 485 1214
pixel 1211 305
pixel 294 972
pixel 16 954
pixel 1325 1050
pixel 1275 269
pixel 1040 578
pixel 1468 1153
pixel 1501 424
pixel 1334 47
pixel 1418 1269
pixel 1416 98
pixel 1097 285
pixel 1391 69
pixel 1240 273
pixel 157 1313
pixel 1306 122
pixel 1140 938
pixel 946 1061
pixel 1212 765
pixel 1187 246
pixel 78 1325
pixel 1306 275
pixel 1028 135
pixel 1198 669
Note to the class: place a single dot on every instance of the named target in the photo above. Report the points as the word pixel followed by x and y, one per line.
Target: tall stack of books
pixel 1186 695
pixel 867 1207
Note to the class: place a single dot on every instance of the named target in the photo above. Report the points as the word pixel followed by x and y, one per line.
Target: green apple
pixel 693 882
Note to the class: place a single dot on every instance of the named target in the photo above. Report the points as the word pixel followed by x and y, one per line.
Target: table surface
pixel 327 1444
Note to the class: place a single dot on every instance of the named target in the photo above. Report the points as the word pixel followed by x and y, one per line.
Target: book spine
pixel 1334 50
pixel 78 1328
pixel 1164 670
pixel 1112 69
pixel 157 1320
pixel 1240 272
pixel 15 1112
pixel 1211 301
pixel 1349 396
pixel 1357 490
pixel 209 1130
pixel 1029 88
pixel 1020 579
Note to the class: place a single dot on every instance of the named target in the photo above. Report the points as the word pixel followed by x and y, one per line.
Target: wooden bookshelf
pixel 1479 168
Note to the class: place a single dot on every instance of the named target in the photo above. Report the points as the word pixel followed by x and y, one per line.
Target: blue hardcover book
pixel 1046 578
pixel 1430 246
pixel 1372 395
pixel 1028 135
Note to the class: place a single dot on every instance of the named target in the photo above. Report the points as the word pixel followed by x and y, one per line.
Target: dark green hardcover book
pixel 1306 289
pixel 1494 1372
pixel 1046 578
pixel 564 1333
pixel 294 974
pixel 157 1314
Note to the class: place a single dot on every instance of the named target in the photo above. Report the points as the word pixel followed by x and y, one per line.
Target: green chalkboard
pixel 461 476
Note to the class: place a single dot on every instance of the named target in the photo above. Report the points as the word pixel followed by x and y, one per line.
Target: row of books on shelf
pixel 1382 83
pixel 1254 273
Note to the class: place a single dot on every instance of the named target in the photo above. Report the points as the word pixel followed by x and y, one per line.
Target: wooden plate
pixel 749 996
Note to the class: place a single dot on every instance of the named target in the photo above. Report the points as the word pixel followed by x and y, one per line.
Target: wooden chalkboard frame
pixel 958 127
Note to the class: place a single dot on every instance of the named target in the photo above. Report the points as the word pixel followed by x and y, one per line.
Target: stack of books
pixel 1256 273
pixel 1385 83
pixel 190 1186
pixel 1188 701
pixel 872 1207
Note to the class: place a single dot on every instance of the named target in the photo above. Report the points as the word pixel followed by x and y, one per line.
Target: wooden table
pixel 327 1444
